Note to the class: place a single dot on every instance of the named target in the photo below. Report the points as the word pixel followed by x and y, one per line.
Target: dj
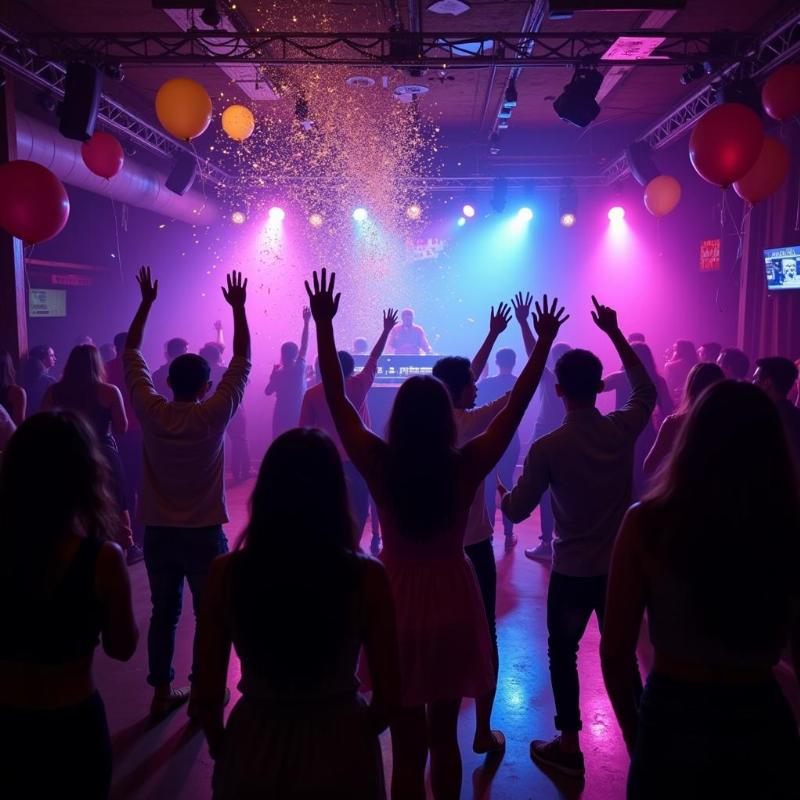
pixel 408 339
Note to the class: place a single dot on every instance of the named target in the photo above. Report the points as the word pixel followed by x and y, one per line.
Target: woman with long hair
pixel 12 397
pixel 83 389
pixel 298 601
pixel 681 359
pixel 423 485
pixel 700 377
pixel 712 720
pixel 64 588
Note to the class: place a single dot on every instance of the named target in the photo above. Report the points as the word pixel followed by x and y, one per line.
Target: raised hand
pixel 604 317
pixel 389 319
pixel 276 368
pixel 498 322
pixel 148 288
pixel 218 325
pixel 306 315
pixel 522 306
pixel 236 293
pixel 547 320
pixel 324 304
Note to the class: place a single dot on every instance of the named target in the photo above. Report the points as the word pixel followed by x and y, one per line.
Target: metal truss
pixel 778 47
pixel 453 184
pixel 25 63
pixel 392 48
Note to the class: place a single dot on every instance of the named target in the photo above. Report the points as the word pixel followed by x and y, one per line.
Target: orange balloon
pixel 183 108
pixel 661 195
pixel 725 143
pixel 781 93
pixel 767 175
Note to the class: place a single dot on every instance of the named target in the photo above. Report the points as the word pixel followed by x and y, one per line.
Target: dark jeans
pixel 570 603
pixel 481 555
pixel 170 555
pixel 505 470
pixel 64 752
pixel 546 516
pixel 359 495
pixel 240 450
pixel 703 740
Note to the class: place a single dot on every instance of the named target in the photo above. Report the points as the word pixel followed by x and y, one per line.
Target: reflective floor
pixel 170 760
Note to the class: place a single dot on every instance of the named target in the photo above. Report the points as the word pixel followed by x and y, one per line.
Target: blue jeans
pixel 170 555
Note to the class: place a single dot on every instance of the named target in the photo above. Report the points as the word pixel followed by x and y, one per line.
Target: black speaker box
pixel 78 111
pixel 183 173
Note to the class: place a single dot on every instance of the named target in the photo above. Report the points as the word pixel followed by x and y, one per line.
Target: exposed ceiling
pixel 465 107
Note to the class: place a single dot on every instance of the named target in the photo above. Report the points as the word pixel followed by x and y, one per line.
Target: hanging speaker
pixel 78 111
pixel 642 167
pixel 184 169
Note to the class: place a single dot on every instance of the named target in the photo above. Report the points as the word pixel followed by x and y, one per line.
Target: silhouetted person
pixel 777 376
pixel 701 376
pixel 408 339
pixel 315 413
pixel 183 490
pixel 587 463
pixel 360 346
pixel 108 352
pixel 709 352
pixel 287 382
pixel 636 338
pixel 35 376
pixel 172 349
pixel 681 360
pixel 12 397
pixel 712 720
pixel 424 485
pixel 298 625
pixel 735 364
pixel 64 589
pixel 7 428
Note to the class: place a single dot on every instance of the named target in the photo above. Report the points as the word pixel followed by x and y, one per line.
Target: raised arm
pixel 484 451
pixel 356 438
pixel 220 336
pixel 149 291
pixel 522 310
pixel 389 321
pixel 304 335
pixel 497 324
pixel 236 296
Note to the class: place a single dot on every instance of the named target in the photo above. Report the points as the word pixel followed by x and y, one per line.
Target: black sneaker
pixel 550 755
pixel 134 555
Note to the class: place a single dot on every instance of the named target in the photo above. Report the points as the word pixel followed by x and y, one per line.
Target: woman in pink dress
pixel 423 486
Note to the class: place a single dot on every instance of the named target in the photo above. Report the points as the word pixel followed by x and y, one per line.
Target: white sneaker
pixel 541 553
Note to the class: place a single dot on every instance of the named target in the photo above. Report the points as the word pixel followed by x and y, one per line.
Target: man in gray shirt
pixel 587 464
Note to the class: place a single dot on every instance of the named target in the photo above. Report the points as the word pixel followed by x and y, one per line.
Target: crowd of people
pixel 649 512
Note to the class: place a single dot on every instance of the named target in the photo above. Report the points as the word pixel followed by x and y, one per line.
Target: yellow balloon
pixel 661 195
pixel 238 122
pixel 183 108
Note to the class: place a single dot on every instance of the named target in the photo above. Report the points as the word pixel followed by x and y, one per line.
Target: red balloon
pixel 725 143
pixel 34 205
pixel 781 92
pixel 767 175
pixel 103 155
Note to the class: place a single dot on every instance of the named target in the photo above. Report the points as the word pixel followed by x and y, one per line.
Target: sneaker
pixel 134 555
pixel 550 755
pixel 541 553
pixel 511 541
pixel 375 545
pixel 163 705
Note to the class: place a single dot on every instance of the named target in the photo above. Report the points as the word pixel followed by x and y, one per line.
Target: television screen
pixel 783 268
pixel 47 303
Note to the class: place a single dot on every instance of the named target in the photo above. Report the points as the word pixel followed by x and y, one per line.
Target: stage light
pixel 276 214
pixel 315 220
pixel 511 97
pixel 568 205
pixel 577 104
pixel 525 214
pixel 568 220
pixel 461 222
pixel 210 14
pixel 616 214
pixel 499 194
pixel 414 211
pixel 468 211
pixel 238 217
pixel 360 214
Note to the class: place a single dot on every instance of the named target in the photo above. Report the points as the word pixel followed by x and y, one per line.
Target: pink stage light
pixel 276 214
pixel 468 210
pixel 616 214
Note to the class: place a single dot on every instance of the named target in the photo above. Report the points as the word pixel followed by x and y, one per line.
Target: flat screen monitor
pixel 47 303
pixel 782 266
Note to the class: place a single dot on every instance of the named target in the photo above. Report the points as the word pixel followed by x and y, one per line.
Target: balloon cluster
pixel 728 146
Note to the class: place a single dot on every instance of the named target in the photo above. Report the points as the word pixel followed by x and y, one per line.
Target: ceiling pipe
pixel 136 184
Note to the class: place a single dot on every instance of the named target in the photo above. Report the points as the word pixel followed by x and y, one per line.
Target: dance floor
pixel 170 760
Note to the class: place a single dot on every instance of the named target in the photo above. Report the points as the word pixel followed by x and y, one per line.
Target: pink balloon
pixel 34 205
pixel 725 143
pixel 767 175
pixel 103 155
pixel 781 92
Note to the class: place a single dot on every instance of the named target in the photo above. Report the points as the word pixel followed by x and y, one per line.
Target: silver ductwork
pixel 136 185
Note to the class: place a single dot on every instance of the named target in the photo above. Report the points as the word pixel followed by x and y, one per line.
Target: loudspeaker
pixel 78 111
pixel 184 169
pixel 642 167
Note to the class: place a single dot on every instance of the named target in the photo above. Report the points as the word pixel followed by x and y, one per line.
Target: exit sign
pixel 709 255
